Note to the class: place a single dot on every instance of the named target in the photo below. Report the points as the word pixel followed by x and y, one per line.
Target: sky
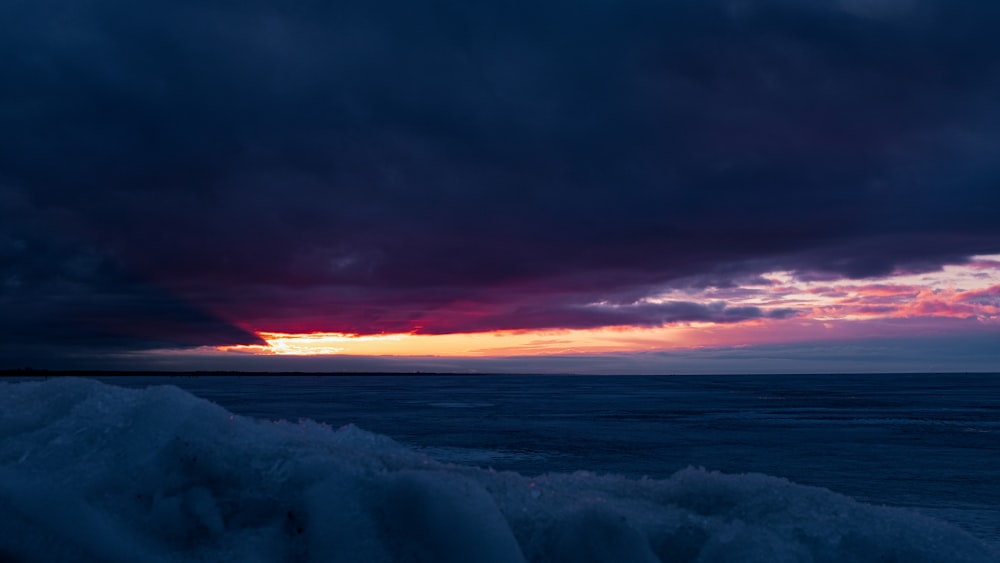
pixel 501 186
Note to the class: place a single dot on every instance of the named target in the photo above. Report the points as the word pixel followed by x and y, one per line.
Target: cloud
pixel 388 165
pixel 572 316
pixel 61 295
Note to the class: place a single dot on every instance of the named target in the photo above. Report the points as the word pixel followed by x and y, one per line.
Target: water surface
pixel 927 442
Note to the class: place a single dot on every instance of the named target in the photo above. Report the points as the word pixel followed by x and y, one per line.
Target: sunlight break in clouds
pixel 961 291
pixel 480 344
pixel 965 294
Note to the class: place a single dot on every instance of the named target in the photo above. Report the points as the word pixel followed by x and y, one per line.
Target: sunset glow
pixel 498 343
pixel 644 179
pixel 957 296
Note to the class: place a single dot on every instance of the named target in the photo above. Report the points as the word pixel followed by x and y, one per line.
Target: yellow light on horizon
pixel 496 343
pixel 848 307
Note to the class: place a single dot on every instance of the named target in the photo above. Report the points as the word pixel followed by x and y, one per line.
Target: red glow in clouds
pixel 955 297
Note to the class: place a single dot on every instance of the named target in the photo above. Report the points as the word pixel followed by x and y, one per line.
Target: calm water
pixel 928 442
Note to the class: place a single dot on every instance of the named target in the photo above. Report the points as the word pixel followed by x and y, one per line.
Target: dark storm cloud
pixel 574 316
pixel 372 166
pixel 59 294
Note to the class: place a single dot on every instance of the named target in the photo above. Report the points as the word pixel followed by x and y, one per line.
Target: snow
pixel 94 472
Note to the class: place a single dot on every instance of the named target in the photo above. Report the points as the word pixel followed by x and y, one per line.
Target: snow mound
pixel 93 472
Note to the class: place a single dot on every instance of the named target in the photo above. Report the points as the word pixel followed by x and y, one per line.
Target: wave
pixel 94 472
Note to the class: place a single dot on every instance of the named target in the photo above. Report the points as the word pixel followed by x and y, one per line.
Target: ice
pixel 94 472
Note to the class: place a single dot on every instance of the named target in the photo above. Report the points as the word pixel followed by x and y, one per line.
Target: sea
pixel 500 468
pixel 925 442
